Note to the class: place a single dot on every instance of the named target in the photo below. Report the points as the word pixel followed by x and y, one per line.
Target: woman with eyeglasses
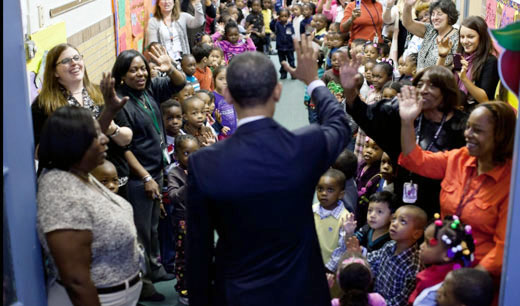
pixel 66 82
pixel 439 127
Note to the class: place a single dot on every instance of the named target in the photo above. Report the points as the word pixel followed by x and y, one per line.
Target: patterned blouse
pixel 88 103
pixel 428 52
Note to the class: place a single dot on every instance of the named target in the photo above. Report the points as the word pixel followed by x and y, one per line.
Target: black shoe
pixel 165 278
pixel 283 76
pixel 156 297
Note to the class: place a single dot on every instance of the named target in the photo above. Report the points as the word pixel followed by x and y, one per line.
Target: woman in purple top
pixel 224 109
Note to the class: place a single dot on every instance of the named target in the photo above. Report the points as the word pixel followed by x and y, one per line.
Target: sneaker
pixel 183 300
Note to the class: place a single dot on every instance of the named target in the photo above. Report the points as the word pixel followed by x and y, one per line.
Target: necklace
pixel 81 175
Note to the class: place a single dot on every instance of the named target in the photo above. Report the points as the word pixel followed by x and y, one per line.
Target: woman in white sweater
pixel 168 26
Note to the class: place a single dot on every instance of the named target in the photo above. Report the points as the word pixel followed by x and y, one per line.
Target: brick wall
pixel 97 44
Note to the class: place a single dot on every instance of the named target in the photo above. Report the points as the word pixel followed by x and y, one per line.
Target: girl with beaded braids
pixel 448 245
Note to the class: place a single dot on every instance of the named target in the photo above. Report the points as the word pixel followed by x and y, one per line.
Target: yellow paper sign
pixel 45 39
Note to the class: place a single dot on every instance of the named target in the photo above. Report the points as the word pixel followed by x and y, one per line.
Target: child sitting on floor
pixel 466 286
pixel 189 66
pixel 226 110
pixel 231 43
pixel 448 245
pixel 397 263
pixel 194 117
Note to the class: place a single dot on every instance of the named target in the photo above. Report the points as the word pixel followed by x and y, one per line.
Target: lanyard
pixel 169 31
pixel 148 110
pixel 418 132
pixel 465 200
pixel 373 23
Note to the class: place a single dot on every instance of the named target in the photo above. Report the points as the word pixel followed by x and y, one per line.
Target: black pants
pixel 287 56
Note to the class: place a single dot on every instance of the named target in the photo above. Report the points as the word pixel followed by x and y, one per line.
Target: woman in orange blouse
pixel 475 178
pixel 365 22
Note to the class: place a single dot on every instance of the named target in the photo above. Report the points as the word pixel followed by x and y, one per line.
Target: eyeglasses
pixel 68 60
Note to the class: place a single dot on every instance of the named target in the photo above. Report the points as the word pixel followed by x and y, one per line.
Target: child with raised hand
pixel 106 174
pixel 373 235
pixel 355 280
pixel 194 117
pixel 225 110
pixel 329 214
pixel 201 53
pixel 216 59
pixel 231 43
pixel 448 245
pixel 367 177
pixel 466 286
pixel 255 25
pixel 397 263
pixel 209 108
pixel 284 32
pixel 189 66
pixel 177 177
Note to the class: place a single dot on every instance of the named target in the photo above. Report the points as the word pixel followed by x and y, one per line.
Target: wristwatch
pixel 147 178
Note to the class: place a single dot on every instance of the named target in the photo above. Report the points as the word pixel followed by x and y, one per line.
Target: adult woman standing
pixel 210 11
pixel 168 26
pixel 443 15
pixel 66 82
pixel 147 149
pixel 478 78
pixel 475 178
pixel 365 22
pixel 440 127
pixel 86 231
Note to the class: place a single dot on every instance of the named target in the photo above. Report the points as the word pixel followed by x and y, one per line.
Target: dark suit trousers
pixel 285 56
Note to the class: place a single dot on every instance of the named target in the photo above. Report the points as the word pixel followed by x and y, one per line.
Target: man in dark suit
pixel 256 189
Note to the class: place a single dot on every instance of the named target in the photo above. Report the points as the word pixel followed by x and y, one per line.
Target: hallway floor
pixel 292 114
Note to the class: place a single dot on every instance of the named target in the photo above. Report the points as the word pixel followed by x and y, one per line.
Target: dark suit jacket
pixel 256 189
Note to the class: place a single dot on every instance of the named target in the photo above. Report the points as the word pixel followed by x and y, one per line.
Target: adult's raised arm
pixel 199 18
pixel 71 251
pixel 161 57
pixel 415 27
pixel 409 109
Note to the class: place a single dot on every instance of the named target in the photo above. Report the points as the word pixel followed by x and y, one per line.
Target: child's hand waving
pixel 353 245
pixel 225 130
pixel 349 225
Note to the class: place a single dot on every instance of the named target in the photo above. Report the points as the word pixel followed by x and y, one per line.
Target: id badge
pixel 410 192
pixel 288 31
pixel 376 39
pixel 166 155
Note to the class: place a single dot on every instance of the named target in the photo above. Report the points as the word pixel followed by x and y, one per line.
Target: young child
pixel 320 26
pixel 255 25
pixel 209 108
pixel 186 92
pixel 222 107
pixel 407 67
pixel 373 235
pixel 307 101
pixel 307 11
pixel 355 280
pixel 347 163
pixel 367 177
pixel 335 40
pixel 366 70
pixel 177 177
pixel 284 40
pixel 440 239
pixel 396 264
pixel 242 6
pixel 106 174
pixel 203 38
pixel 371 51
pixel 216 59
pixel 391 89
pixel 201 53
pixel 297 18
pixel 267 14
pixel 329 214
pixel 231 44
pixel 189 66
pixel 332 75
pixel 172 117
pixel 387 174
pixel 455 290
pixel 194 116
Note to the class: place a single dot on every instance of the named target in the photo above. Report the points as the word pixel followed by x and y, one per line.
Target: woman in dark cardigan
pixel 440 127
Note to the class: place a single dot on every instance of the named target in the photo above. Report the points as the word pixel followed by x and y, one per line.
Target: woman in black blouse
pixel 147 150
pixel 440 127
pixel 478 78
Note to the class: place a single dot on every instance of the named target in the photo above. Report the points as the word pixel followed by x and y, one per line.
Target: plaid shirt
pixel 332 264
pixel 395 274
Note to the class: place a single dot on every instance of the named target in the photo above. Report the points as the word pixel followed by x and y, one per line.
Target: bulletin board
pixel 131 19
pixel 500 13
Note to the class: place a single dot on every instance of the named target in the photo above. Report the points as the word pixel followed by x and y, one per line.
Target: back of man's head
pixel 251 79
